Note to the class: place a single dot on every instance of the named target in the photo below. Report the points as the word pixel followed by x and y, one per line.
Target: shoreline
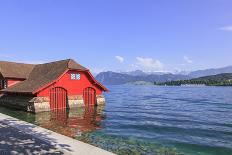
pixel 66 144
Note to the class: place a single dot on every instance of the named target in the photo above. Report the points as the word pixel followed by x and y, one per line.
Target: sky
pixel 119 35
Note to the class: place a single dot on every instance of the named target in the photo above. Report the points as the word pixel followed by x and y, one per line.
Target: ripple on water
pixel 150 120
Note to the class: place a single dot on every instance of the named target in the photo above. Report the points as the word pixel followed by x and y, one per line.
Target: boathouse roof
pixel 40 75
pixel 15 70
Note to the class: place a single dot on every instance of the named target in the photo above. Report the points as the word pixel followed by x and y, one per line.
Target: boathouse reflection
pixel 72 122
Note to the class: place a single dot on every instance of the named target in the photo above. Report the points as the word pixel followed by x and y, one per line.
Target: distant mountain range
pixel 114 78
pixel 213 71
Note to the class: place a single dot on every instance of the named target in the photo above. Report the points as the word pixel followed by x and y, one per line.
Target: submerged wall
pixel 40 104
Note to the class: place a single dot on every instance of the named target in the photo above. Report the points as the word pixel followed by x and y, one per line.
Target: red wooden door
pixel 58 98
pixel 89 96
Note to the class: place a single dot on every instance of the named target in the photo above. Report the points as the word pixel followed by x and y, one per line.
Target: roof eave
pixel 1 76
pixel 97 83
pixel 20 78
pixel 2 91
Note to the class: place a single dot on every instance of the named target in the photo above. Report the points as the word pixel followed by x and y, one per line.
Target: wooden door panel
pixel 89 96
pixel 58 98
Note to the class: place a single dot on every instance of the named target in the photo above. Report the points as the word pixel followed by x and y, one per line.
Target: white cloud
pixel 119 58
pixel 134 66
pixel 226 28
pixel 149 64
pixel 187 60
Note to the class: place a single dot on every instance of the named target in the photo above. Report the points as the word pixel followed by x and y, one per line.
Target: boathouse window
pixel 3 84
pixel 75 76
pixel 78 76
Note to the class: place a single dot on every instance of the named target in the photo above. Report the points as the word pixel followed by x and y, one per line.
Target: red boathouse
pixel 44 87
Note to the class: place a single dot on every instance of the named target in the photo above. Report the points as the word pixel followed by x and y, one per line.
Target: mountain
pixel 159 77
pixel 113 78
pixel 224 79
pixel 207 72
pixel 136 73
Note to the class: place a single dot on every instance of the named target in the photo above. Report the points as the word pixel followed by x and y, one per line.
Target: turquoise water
pixel 150 120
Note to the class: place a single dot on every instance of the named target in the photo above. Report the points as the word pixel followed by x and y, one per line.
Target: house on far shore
pixel 50 86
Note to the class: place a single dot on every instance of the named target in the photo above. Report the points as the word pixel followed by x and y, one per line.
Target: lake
pixel 149 120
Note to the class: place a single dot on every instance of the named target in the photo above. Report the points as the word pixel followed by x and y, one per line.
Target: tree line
pixel 214 80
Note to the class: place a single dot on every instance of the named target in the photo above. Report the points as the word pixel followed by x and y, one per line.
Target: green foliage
pixel 214 80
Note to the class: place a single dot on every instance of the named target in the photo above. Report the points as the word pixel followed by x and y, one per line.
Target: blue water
pixel 151 120
pixel 197 120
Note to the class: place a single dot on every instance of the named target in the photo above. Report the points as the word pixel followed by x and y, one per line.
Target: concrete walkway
pixel 19 137
pixel 14 141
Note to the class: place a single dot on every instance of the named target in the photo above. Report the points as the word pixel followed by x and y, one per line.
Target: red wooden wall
pixel 73 87
pixel 11 82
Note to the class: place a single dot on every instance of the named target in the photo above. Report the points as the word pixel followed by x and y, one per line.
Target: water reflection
pixel 72 122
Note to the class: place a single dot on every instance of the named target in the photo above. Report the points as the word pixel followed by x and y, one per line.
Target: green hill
pixel 224 79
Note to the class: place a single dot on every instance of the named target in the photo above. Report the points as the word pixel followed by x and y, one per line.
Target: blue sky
pixel 119 35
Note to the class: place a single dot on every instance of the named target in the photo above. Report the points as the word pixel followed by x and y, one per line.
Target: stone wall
pixel 40 104
pixel 15 101
pixel 101 100
pixel 75 101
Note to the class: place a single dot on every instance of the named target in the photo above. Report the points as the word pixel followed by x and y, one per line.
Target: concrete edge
pixel 65 144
